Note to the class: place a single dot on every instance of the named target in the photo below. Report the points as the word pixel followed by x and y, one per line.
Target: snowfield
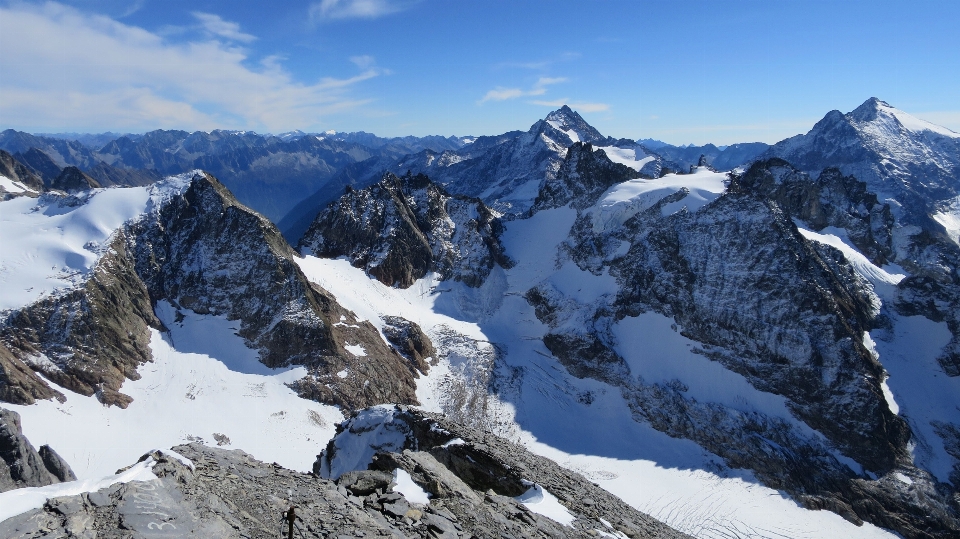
pixel 51 243
pixel 623 201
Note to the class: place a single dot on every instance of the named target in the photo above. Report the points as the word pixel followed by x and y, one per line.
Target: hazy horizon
pixel 686 72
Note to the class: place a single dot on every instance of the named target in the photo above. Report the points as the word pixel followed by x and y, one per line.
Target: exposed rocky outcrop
pixel 584 175
pixel 73 179
pixel 787 314
pixel 19 384
pixel 402 228
pixel 30 183
pixel 830 200
pixel 20 464
pixel 409 340
pixel 90 339
pixel 472 473
pixel 229 494
pixel 41 164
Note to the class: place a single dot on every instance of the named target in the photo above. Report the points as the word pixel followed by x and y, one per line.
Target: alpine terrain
pixel 543 333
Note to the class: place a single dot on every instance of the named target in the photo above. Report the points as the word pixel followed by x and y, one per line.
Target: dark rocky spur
pixel 23 466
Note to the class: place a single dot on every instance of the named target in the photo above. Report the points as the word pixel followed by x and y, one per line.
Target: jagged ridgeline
pixel 198 249
pixel 401 228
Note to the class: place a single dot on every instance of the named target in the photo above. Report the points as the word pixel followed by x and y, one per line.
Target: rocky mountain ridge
pixel 737 267
pixel 195 248
pixel 402 228
pixel 201 491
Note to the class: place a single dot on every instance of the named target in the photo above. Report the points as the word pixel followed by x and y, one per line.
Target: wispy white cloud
pixel 539 88
pixel 582 107
pixel 64 69
pixel 363 62
pixel 221 28
pixel 355 9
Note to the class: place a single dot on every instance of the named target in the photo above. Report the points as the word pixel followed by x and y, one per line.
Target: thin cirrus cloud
pixel 65 70
pixel 355 9
pixel 504 94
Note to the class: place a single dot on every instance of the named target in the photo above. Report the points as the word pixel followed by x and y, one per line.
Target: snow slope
pixel 201 390
pixel 51 243
pixel 626 156
pixel 623 201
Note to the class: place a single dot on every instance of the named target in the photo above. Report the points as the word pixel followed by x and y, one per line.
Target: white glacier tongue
pixel 51 243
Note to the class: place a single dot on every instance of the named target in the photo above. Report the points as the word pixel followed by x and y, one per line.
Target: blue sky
pixel 702 71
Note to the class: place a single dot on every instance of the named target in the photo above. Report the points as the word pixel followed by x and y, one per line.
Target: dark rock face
pixel 93 338
pixel 73 179
pixel 229 494
pixel 409 340
pixel 402 228
pixel 41 164
pixel 55 464
pixel 474 475
pixel 787 314
pixel 200 250
pixel 16 171
pixel 20 464
pixel 107 175
pixel 208 253
pixel 19 384
pixel 831 200
pixel 581 179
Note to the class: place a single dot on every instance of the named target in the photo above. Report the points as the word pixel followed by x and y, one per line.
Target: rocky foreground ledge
pixel 473 482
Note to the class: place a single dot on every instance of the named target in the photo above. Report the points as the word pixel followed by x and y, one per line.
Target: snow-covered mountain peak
pixel 880 115
pixel 567 121
pixel 888 149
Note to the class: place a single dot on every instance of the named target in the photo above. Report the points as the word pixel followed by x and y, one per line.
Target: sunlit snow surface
pixel 11 186
pixel 540 501
pixel 410 490
pixel 626 156
pixel 185 397
pixel 52 242
pixel 949 219
pixel 623 201
pixel 912 123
